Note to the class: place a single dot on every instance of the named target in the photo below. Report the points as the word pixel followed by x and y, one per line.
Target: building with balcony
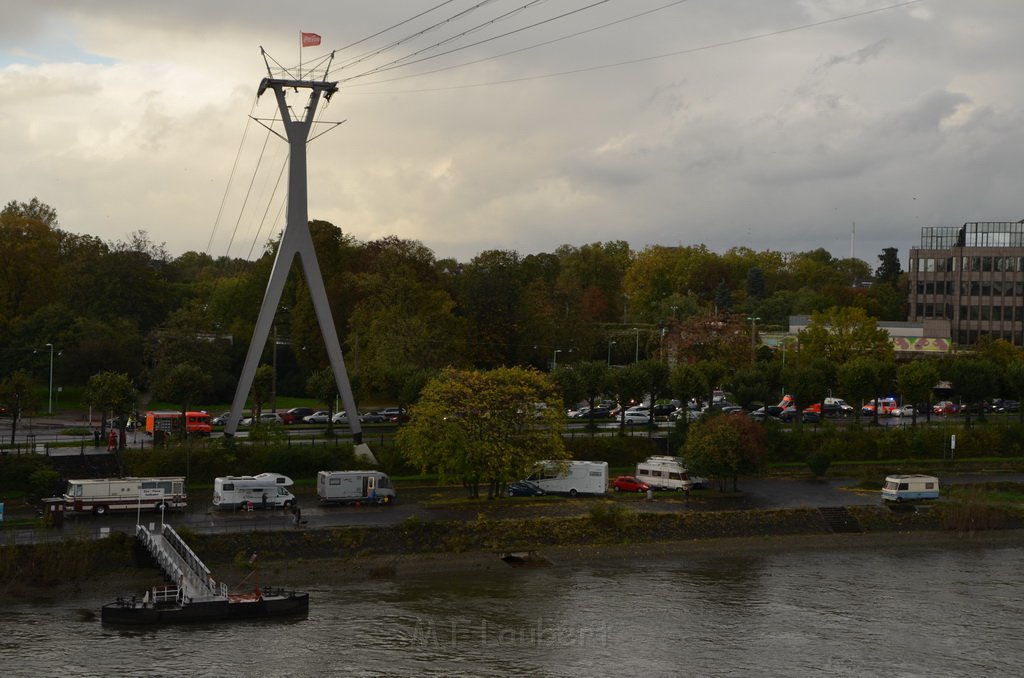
pixel 972 276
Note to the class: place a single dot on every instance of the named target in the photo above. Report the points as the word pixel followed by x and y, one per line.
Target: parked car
pixel 1005 405
pixel 945 407
pixel 220 419
pixel 766 413
pixel 791 414
pixel 265 419
pixel 629 484
pixel 598 412
pixel 319 417
pixel 373 418
pixel 524 488
pixel 636 417
pixel 296 414
pixel 340 417
pixel 907 411
pixel 394 414
pixel 664 410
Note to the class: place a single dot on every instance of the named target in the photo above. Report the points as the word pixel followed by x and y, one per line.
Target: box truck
pixel 572 477
pixel 351 487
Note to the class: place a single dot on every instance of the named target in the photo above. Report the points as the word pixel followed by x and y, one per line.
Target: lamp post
pixel 554 359
pixel 636 357
pixel 610 344
pixel 50 346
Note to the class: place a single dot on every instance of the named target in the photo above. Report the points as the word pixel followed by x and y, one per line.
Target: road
pixel 200 517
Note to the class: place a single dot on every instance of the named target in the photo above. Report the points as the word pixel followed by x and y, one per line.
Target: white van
pixel 910 487
pixel 264 490
pixel 572 477
pixel 667 473
pixel 349 487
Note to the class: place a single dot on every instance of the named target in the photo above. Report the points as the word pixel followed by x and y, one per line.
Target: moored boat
pixel 169 605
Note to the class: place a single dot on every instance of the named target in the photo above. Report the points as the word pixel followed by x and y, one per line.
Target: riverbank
pixel 609 529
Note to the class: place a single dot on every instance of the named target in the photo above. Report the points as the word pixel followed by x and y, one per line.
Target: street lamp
pixel 636 357
pixel 610 344
pixel 50 346
pixel 554 359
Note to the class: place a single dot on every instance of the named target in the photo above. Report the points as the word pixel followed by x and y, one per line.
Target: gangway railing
pixel 188 556
pixel 171 552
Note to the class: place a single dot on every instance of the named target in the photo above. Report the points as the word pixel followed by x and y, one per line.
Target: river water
pixel 921 609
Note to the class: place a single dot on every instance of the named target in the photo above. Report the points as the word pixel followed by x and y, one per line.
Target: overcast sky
pixel 771 124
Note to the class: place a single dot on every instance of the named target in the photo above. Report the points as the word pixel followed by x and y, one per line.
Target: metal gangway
pixel 179 563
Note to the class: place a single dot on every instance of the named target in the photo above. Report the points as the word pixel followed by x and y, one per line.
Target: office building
pixel 972 276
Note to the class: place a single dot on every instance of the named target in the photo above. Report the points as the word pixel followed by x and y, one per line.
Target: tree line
pixel 128 307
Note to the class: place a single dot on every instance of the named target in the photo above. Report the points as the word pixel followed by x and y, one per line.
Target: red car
pixel 629 484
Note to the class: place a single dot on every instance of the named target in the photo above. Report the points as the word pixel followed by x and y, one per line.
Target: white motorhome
pixel 910 487
pixel 100 495
pixel 572 477
pixel 264 490
pixel 667 473
pixel 350 487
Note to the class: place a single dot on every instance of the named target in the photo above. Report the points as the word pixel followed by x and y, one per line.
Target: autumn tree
pixel 484 427
pixel 724 447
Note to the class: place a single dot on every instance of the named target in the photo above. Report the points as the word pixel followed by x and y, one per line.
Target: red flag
pixel 310 39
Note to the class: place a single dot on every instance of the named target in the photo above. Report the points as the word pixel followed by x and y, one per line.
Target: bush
pixel 819 463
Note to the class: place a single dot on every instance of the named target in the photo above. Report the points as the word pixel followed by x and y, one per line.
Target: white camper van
pixel 265 490
pixel 667 473
pixel 349 487
pixel 572 477
pixel 910 487
pixel 99 495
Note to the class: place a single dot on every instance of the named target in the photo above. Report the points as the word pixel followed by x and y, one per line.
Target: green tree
pixel 588 380
pixel 808 384
pixel 916 380
pixel 262 388
pixel 17 396
pixel 724 447
pixel 889 269
pixel 656 381
pixel 1014 376
pixel 974 380
pixel 840 334
pixel 723 297
pixel 321 385
pixel 186 384
pixel 863 378
pixel 629 383
pixel 480 427
pixel 112 394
